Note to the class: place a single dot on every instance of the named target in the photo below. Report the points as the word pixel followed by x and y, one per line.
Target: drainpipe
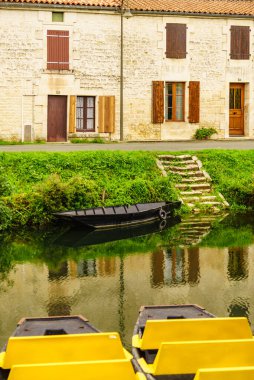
pixel 124 13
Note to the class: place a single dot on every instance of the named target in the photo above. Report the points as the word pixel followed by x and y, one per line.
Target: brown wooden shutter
pixel 240 42
pixel 57 50
pixel 194 99
pixel 176 40
pixel 72 114
pixel 107 114
pixel 158 102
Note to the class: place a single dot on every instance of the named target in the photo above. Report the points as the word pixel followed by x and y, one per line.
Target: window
pixel 57 50
pixel 57 16
pixel 174 101
pixel 176 40
pixel 85 113
pixel 240 42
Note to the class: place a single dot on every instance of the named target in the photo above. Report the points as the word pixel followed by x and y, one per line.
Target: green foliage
pixel 232 174
pixel 95 140
pixel 5 216
pixel 43 183
pixel 204 133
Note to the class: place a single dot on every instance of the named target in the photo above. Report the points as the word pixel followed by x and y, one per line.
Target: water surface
pixel 66 271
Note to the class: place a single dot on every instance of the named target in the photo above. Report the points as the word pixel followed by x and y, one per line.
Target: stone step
pixel 194 192
pixel 194 186
pixel 182 168
pixel 211 203
pixel 194 230
pixel 190 174
pixel 196 223
pixel 169 157
pixel 200 199
pixel 194 180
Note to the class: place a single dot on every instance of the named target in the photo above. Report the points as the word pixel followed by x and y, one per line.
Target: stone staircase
pixel 194 183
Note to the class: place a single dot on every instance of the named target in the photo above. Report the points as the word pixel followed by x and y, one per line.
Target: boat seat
pixel 96 370
pixel 187 357
pixel 62 348
pixel 176 330
pixel 234 373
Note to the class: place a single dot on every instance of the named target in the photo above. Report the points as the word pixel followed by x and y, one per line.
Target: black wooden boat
pixel 185 342
pixel 63 348
pixel 111 216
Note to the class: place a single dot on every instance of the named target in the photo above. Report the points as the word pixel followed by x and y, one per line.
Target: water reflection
pixel 46 274
pixel 175 266
pixel 237 263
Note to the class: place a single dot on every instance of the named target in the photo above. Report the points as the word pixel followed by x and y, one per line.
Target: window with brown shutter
pixel 158 102
pixel 57 50
pixel 194 99
pixel 176 40
pixel 240 42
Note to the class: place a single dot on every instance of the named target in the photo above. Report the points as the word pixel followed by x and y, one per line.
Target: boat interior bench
pixel 187 357
pixel 95 370
pixel 62 349
pixel 176 330
pixel 234 373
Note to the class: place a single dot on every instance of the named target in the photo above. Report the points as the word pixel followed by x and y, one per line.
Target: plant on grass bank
pixel 37 141
pixel 204 133
pixel 95 140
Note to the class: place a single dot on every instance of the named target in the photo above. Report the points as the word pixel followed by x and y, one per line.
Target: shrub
pixel 204 133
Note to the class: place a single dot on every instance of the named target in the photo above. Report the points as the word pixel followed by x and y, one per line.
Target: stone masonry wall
pixel 95 70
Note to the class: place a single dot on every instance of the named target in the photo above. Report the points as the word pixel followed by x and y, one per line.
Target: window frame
pixel 85 118
pixel 55 14
pixel 174 96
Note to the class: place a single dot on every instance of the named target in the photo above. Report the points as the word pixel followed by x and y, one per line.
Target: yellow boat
pixel 182 342
pixel 64 348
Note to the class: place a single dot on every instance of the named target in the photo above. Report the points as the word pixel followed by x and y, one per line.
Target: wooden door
pixel 236 109
pixel 57 118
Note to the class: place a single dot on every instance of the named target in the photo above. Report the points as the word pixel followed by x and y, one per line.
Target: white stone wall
pixel 95 70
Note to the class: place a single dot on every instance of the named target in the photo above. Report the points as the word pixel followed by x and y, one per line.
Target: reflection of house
pixel 60 69
pixel 175 266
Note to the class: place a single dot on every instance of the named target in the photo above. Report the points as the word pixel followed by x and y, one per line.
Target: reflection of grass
pixel 41 248
pixel 229 237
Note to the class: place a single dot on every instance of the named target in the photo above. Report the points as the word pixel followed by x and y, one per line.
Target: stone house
pixel 80 68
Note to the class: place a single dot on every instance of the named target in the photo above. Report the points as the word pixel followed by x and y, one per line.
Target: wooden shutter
pixel 240 42
pixel 194 99
pixel 107 114
pixel 57 50
pixel 158 102
pixel 72 114
pixel 176 40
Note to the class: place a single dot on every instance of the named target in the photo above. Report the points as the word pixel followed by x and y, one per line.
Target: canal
pixel 106 277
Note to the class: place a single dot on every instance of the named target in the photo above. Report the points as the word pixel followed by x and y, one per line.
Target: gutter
pixel 5 4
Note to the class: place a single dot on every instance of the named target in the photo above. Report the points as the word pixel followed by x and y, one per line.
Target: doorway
pixel 236 109
pixel 57 118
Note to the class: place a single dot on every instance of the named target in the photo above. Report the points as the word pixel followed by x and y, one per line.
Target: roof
pixel 215 7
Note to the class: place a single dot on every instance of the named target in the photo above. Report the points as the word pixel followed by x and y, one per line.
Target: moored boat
pixel 112 216
pixel 182 342
pixel 63 348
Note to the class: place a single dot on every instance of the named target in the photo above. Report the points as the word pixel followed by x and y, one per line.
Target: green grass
pixel 36 184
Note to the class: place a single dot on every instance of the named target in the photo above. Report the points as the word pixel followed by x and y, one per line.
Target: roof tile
pixel 216 7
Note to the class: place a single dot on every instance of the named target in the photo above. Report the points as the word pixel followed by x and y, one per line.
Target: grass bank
pixel 34 185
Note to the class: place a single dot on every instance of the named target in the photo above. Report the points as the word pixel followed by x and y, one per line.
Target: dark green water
pixel 66 271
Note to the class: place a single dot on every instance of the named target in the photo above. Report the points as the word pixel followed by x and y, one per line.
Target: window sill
pixel 174 121
pixel 55 71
